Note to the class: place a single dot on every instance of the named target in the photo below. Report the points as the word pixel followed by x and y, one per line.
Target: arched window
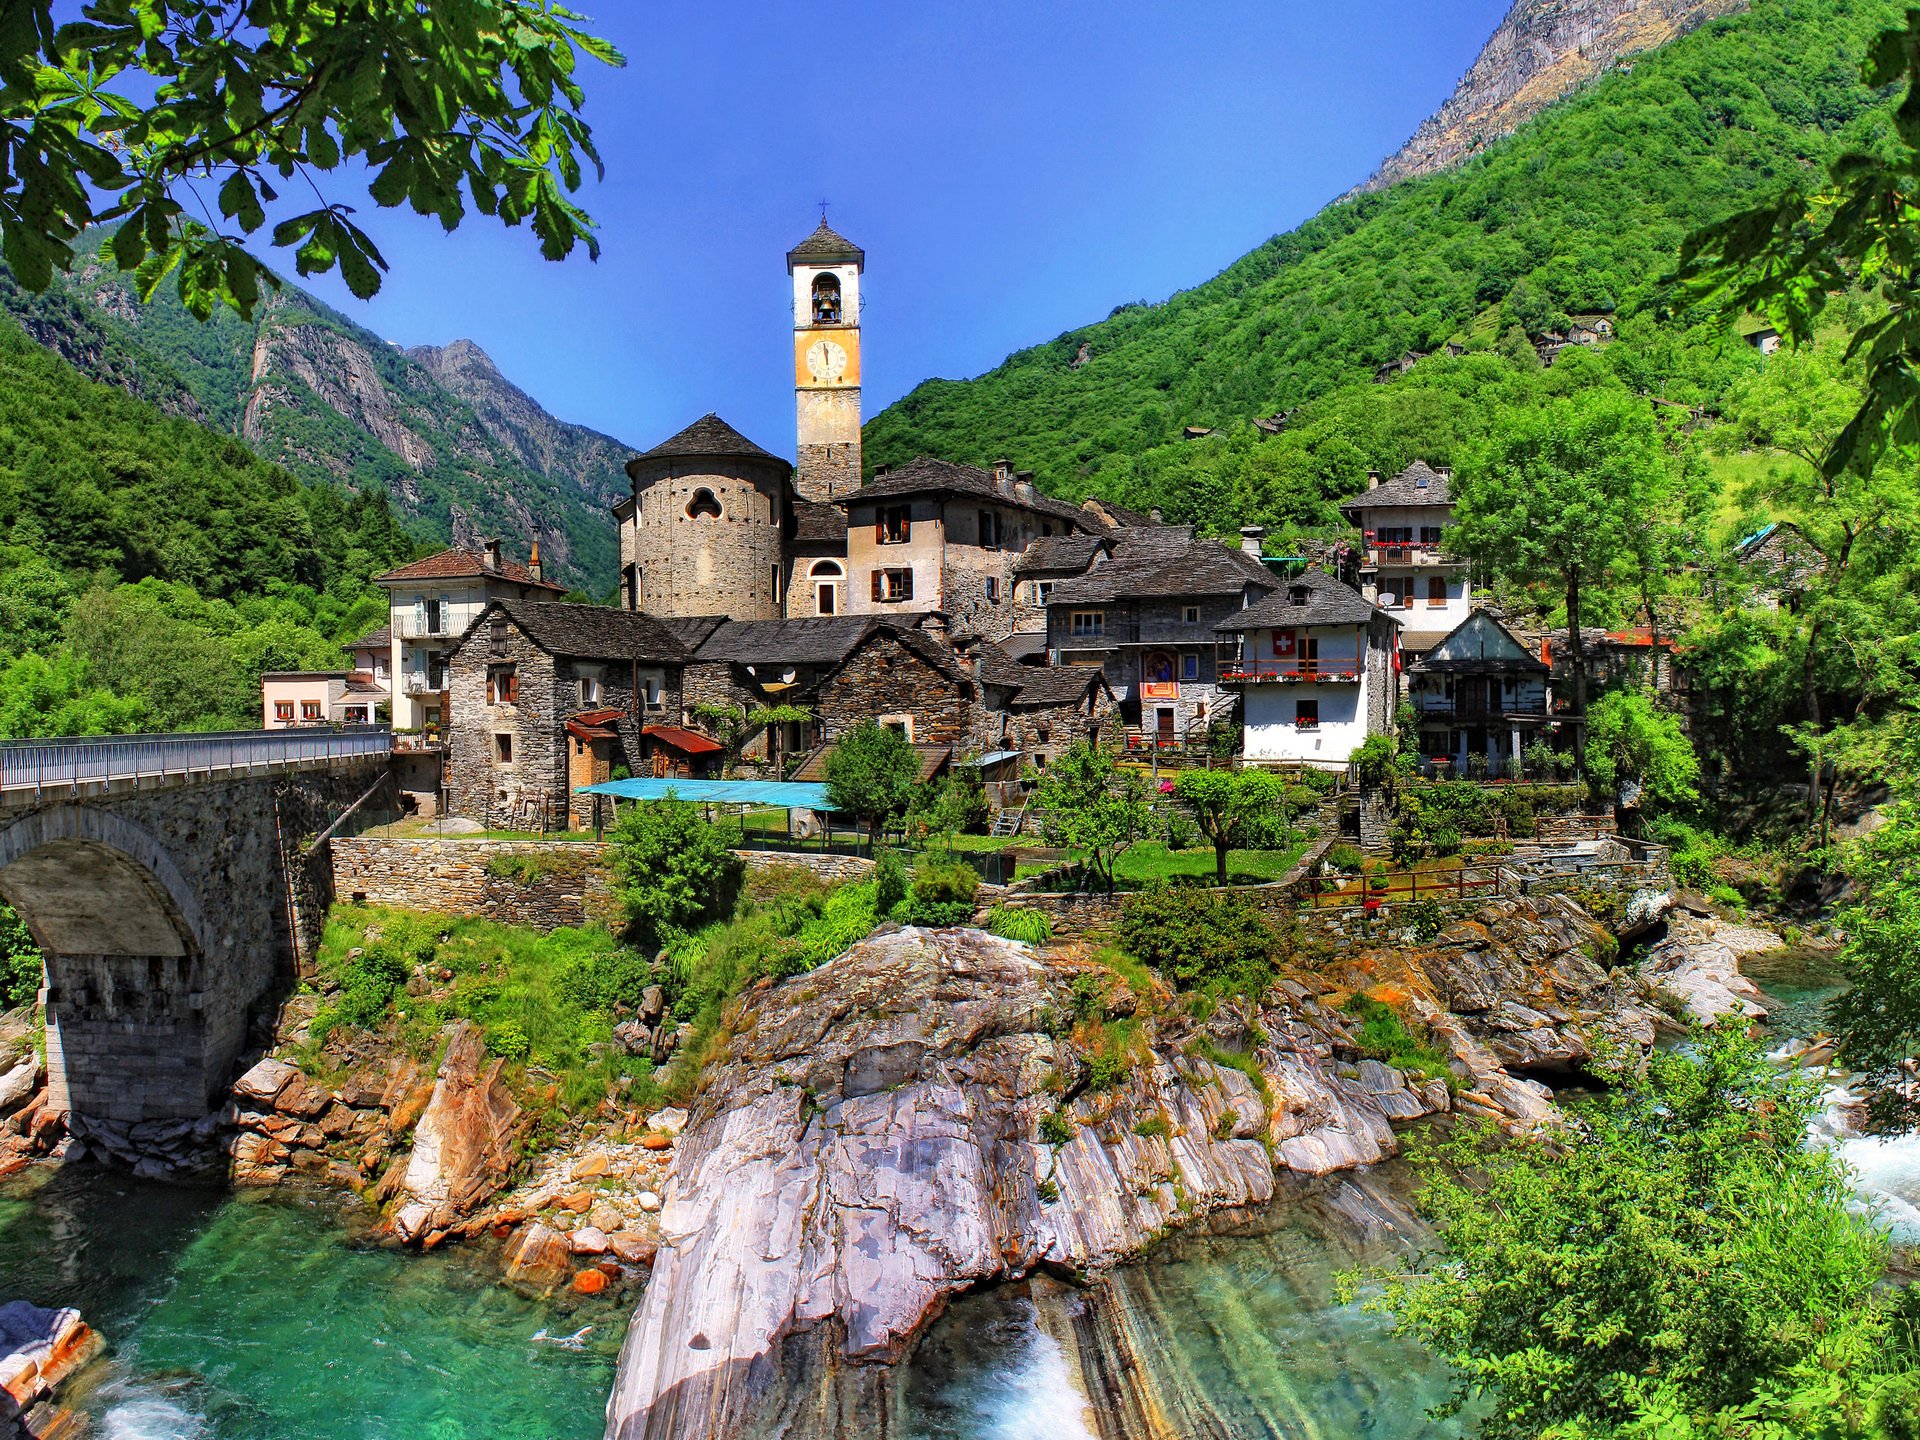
pixel 705 503
pixel 826 567
pixel 826 299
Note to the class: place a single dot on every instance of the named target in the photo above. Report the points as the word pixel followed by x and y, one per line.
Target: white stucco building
pixel 1315 672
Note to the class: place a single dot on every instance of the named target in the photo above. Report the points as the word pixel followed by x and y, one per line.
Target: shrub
pixel 19 961
pixel 1056 1129
pixel 1386 1037
pixel 1373 761
pixel 1344 857
pixel 1181 832
pixel 1427 919
pixel 507 1040
pixel 890 879
pixel 1030 927
pixel 938 881
pixel 1201 939
pixel 872 775
pixel 1444 841
pixel 934 914
pixel 1155 1125
pixel 671 869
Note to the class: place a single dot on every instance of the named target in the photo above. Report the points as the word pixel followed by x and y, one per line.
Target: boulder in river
pixel 464 1146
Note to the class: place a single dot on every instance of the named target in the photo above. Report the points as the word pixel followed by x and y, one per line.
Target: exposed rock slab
pixel 38 1350
pixel 464 1145
pixel 1698 962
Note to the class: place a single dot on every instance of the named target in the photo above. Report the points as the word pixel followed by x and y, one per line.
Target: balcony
pixel 1404 552
pixel 1278 673
pixel 423 685
pixel 430 628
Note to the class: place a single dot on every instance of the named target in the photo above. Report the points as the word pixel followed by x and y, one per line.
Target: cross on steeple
pixel 823 212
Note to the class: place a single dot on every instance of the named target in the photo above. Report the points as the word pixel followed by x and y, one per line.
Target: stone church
pixel 717 525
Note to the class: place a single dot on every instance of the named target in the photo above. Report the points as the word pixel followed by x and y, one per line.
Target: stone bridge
pixel 171 881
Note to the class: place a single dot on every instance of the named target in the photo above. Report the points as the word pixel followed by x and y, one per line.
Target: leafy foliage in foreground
pixel 1679 1262
pixel 671 869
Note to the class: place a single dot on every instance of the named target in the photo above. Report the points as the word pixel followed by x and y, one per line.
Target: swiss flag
pixel 1282 642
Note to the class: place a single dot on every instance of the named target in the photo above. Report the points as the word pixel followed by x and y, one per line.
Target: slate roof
pixel 1196 567
pixel 379 639
pixel 811 640
pixel 1058 684
pixel 709 435
pixel 590 631
pixel 465 565
pixel 1478 643
pixel 817 523
pixel 825 243
pixel 1326 602
pixel 1023 644
pixel 1059 552
pixel 1117 517
pixel 1418 484
pixel 924 476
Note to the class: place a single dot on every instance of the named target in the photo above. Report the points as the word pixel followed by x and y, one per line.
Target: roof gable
pixel 466 565
pixel 923 475
pixel 1418 484
pixel 1478 642
pixel 823 245
pixel 589 632
pixel 708 436
pixel 1312 597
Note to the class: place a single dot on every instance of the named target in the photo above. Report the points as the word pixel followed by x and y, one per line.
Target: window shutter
pixel 906 584
pixel 879 529
pixel 513 687
pixel 878 583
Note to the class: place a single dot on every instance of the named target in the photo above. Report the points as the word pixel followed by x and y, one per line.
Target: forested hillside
pixel 463 453
pixel 1581 211
pixel 150 568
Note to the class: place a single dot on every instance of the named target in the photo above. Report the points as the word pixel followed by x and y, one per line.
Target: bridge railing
pixel 114 759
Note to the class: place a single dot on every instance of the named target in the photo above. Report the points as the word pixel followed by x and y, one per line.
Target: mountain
pixel 1543 50
pixel 1581 210
pixel 464 453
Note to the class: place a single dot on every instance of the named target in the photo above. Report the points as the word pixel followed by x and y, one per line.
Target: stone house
pixel 1038 711
pixel 1315 671
pixel 1404 564
pixel 1479 691
pixel 1780 563
pixel 431 603
pixel 937 536
pixel 1146 615
pixel 540 693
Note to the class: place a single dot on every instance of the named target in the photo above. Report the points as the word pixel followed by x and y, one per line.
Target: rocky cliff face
pixel 1543 50
pixel 458 447
pixel 913 1119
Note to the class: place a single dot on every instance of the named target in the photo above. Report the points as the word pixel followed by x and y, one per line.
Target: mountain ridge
pixel 465 453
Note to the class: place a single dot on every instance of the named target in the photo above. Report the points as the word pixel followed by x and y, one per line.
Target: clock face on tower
pixel 826 360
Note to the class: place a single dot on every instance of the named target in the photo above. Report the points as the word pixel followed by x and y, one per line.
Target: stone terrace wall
pixel 450 877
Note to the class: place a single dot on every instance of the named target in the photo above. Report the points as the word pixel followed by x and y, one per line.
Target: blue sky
pixel 1012 170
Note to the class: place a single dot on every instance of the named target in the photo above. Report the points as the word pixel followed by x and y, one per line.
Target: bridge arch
pixel 125 939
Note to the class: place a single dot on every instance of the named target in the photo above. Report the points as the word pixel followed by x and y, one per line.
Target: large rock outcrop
pixel 1698 963
pixel 914 1119
pixel 464 1147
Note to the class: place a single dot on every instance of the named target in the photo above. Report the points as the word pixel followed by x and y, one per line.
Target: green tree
pixel 1554 494
pixel 1877 1020
pixel 1095 807
pixel 671 869
pixel 872 774
pixel 1681 1245
pixel 1794 255
pixel 1628 740
pixel 20 962
pixel 153 113
pixel 42 696
pixel 1233 808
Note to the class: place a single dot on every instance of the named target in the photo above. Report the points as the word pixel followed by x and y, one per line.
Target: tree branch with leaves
pixel 458 104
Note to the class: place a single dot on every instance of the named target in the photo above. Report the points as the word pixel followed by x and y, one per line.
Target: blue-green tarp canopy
pixel 991 758
pixel 784 794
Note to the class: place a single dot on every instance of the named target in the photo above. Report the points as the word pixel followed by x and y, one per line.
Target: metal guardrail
pixel 72 763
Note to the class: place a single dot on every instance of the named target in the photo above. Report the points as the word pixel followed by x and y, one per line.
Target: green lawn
pixel 1150 860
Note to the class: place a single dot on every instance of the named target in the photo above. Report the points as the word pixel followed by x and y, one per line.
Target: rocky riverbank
pixel 39 1349
pixel 913 1120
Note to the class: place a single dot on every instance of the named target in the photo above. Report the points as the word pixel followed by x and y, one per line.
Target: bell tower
pixel 826 270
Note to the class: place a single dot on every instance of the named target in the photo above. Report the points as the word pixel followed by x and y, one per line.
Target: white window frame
pixel 1086 624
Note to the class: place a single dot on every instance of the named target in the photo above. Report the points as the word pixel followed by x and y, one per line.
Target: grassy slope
pixel 1584 209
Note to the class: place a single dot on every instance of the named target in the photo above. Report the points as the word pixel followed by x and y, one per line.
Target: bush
pixel 19 961
pixel 1427 919
pixel 1056 1129
pixel 1385 1037
pixel 1030 927
pixel 934 914
pixel 1345 858
pixel 1182 834
pixel 945 882
pixel 507 1040
pixel 671 869
pixel 1200 938
pixel 890 880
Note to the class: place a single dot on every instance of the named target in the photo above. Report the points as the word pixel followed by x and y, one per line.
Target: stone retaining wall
pixel 570 886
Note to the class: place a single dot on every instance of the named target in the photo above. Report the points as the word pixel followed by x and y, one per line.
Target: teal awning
pixel 784 794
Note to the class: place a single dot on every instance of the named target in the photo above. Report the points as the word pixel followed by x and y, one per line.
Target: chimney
pixel 1003 471
pixel 880 470
pixel 934 622
pixel 533 560
pixel 1251 537
pixel 1154 515
pixel 490 557
pixel 1373 479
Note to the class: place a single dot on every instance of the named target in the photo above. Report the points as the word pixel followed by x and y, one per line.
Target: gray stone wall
pixel 570 888
pixel 479 786
pixel 701 564
pixel 883 677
